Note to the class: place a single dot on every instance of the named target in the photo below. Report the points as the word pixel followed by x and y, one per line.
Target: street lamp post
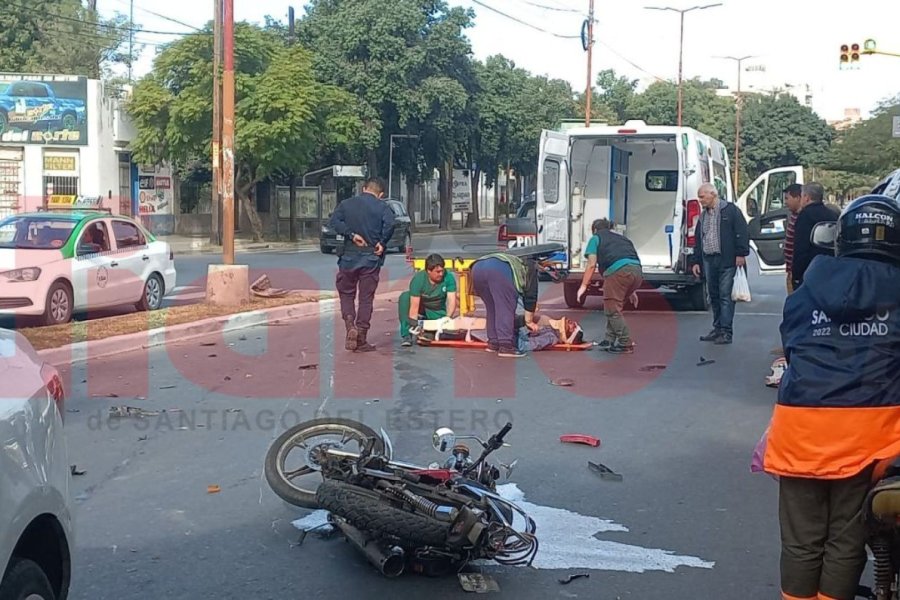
pixel 682 12
pixel 391 159
pixel 737 127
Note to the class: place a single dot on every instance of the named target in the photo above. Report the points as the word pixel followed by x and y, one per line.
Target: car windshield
pixel 38 233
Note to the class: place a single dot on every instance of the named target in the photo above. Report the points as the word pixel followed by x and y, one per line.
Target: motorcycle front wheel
pixel 309 438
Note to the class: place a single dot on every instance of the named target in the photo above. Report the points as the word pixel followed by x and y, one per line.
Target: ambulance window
pixel 551 181
pixel 662 181
pixel 778 182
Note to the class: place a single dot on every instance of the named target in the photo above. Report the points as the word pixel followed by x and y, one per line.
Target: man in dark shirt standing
pixel 367 224
pixel 813 210
pixel 793 195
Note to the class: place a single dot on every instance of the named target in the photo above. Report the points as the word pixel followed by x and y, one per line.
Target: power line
pixel 94 23
pixel 164 17
pixel 526 24
pixel 629 61
pixel 553 8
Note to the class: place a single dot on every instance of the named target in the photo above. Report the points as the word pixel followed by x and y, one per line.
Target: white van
pixel 645 179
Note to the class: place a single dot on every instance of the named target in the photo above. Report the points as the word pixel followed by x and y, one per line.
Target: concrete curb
pixel 112 346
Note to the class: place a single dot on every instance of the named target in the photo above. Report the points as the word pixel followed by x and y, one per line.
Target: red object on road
pixel 579 438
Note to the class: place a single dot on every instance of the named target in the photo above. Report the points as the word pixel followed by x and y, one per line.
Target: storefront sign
pixel 44 109
pixel 156 195
pixel 59 163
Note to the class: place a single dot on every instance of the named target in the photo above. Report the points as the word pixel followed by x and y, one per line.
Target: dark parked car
pixel 328 239
pixel 521 230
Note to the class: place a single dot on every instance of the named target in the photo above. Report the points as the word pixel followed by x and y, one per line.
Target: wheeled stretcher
pixel 457 333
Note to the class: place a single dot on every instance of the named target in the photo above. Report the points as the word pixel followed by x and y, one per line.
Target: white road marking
pixel 567 541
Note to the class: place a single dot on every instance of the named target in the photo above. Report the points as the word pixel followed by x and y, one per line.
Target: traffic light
pixel 845 54
pixel 854 53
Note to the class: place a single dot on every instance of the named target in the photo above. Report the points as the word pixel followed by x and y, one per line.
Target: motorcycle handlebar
pixel 498 439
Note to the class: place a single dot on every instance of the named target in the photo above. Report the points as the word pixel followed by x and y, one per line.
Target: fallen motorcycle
pixel 881 514
pixel 401 516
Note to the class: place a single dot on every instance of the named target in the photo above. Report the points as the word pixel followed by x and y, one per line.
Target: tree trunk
pixel 372 163
pixel 446 187
pixel 410 202
pixel 497 201
pixel 474 219
pixel 245 196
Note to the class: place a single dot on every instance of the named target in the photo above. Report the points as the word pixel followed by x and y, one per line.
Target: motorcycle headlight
pixel 19 275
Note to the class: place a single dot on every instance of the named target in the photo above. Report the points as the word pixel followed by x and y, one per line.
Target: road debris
pixel 208 344
pixel 580 438
pixel 604 472
pixel 74 470
pixel 213 489
pixel 478 583
pixel 573 577
pixel 168 387
pixel 650 368
pixel 562 382
pixel 309 367
pixel 703 362
pixel 121 412
pixel 262 287
pixel 110 395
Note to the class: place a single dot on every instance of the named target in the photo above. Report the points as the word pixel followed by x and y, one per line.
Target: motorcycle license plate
pixel 339 238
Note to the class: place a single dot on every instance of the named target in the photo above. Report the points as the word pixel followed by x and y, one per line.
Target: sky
pixel 796 42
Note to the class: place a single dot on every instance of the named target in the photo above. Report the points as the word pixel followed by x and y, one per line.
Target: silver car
pixel 35 506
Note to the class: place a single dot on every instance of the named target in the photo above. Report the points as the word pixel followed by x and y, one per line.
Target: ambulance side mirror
pixel 824 236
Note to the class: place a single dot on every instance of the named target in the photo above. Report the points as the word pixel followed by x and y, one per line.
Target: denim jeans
pixel 720 282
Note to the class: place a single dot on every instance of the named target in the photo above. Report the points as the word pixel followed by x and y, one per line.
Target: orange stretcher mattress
pixel 478 344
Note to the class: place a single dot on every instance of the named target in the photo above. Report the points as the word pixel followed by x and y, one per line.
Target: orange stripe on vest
pixel 830 443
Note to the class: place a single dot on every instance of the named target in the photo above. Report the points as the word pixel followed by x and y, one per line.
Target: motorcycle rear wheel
pixel 278 478
pixel 368 512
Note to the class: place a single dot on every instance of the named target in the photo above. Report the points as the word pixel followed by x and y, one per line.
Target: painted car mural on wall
pixel 43 109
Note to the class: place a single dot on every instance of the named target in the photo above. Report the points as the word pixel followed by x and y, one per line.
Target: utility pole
pixel 589 43
pixel 682 12
pixel 130 40
pixel 228 135
pixel 737 133
pixel 215 235
pixel 292 194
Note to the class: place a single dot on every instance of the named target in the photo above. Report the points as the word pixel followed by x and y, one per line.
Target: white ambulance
pixel 645 179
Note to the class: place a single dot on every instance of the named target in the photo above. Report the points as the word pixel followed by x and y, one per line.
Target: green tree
pixel 61 36
pixel 777 131
pixel 616 92
pixel 409 64
pixel 703 109
pixel 869 148
pixel 284 116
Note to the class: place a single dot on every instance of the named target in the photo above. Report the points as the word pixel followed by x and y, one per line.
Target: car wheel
pixel 326 249
pixel 407 242
pixel 25 580
pixel 152 297
pixel 697 298
pixel 58 309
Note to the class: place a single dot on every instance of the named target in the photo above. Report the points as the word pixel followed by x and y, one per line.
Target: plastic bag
pixel 741 290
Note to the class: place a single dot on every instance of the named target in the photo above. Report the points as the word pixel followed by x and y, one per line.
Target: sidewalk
pixel 185 244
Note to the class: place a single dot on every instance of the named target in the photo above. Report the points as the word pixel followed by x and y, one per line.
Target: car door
pixel 92 267
pixel 763 205
pixel 132 260
pixel 552 209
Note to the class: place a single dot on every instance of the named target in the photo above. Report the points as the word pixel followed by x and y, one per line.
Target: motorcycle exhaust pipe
pixel 390 562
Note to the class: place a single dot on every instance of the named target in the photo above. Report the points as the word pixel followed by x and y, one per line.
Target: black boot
pixel 361 344
pixel 712 336
pixel 351 341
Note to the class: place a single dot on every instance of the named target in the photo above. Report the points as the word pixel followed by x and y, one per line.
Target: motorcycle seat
pixel 883 501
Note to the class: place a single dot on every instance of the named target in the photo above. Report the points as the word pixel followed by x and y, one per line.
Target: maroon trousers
pixel 365 282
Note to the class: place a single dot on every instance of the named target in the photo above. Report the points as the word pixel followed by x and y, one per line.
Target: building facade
pixel 63 135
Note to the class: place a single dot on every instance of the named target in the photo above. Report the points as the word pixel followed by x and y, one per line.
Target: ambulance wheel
pixel 570 291
pixel 697 297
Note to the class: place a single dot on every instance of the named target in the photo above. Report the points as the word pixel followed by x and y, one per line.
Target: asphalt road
pixel 309 268
pixel 681 435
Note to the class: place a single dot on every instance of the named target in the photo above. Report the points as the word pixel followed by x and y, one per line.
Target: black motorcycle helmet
pixel 869 227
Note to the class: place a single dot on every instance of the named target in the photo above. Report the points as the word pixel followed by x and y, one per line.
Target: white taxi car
pixel 57 263
pixel 36 517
